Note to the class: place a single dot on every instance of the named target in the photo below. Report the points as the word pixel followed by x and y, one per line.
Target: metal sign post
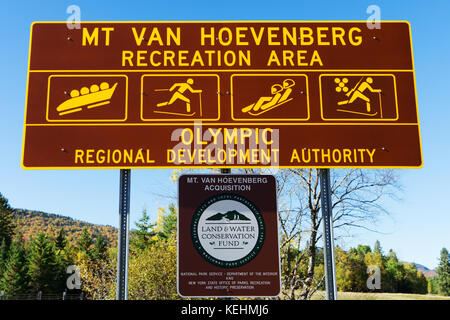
pixel 327 205
pixel 122 247
pixel 226 171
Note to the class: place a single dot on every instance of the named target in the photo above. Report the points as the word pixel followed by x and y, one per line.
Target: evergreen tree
pixel 168 223
pixel 420 283
pixel 143 224
pixel 443 271
pixel 357 268
pixel 6 221
pixel 377 248
pixel 142 236
pixel 15 278
pixel 3 256
pixel 43 268
pixel 63 256
pixel 60 241
pixel 85 242
pixel 362 250
pixel 394 273
pixel 412 280
pixel 376 260
pixel 63 259
pixel 100 247
pixel 432 285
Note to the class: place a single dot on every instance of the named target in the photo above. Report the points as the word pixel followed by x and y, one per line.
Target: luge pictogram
pixel 280 95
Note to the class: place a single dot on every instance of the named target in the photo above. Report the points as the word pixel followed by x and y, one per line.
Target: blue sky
pixel 419 225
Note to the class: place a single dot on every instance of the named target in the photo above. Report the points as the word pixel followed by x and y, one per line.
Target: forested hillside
pixel 30 223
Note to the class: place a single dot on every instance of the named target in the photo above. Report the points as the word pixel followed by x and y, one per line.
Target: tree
pixel 60 241
pixel 43 267
pixel 358 275
pixel 3 256
pixel 443 271
pixel 7 225
pixel 100 249
pixel 432 285
pixel 362 250
pixel 375 259
pixel 64 258
pixel 152 268
pixel 167 222
pixel 85 242
pixel 98 277
pixel 141 237
pixel 15 279
pixel 152 272
pixel 343 270
pixel 149 233
pixel 356 197
pixel 377 248
pixel 395 271
pixel 416 281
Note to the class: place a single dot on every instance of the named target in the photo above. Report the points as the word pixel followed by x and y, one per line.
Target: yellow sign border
pixel 236 21
pixel 219 167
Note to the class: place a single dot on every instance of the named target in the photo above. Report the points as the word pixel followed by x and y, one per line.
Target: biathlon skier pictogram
pixel 357 92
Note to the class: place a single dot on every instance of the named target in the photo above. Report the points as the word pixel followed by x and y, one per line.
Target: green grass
pixel 320 295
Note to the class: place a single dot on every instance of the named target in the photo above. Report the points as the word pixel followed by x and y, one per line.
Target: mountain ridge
pixel 32 222
pixel 231 215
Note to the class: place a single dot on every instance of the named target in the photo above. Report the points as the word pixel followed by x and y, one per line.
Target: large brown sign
pixel 221 94
pixel 228 236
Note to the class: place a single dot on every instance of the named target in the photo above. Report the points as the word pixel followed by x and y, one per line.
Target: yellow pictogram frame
pixel 269 75
pixel 180 75
pixel 322 116
pixel 85 76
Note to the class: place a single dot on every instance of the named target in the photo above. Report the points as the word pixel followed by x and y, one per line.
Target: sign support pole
pixel 122 247
pixel 327 206
pixel 226 171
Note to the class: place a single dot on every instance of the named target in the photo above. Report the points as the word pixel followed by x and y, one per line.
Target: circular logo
pixel 227 230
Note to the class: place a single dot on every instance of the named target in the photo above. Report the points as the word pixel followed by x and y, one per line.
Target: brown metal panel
pixel 144 90
pixel 203 275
